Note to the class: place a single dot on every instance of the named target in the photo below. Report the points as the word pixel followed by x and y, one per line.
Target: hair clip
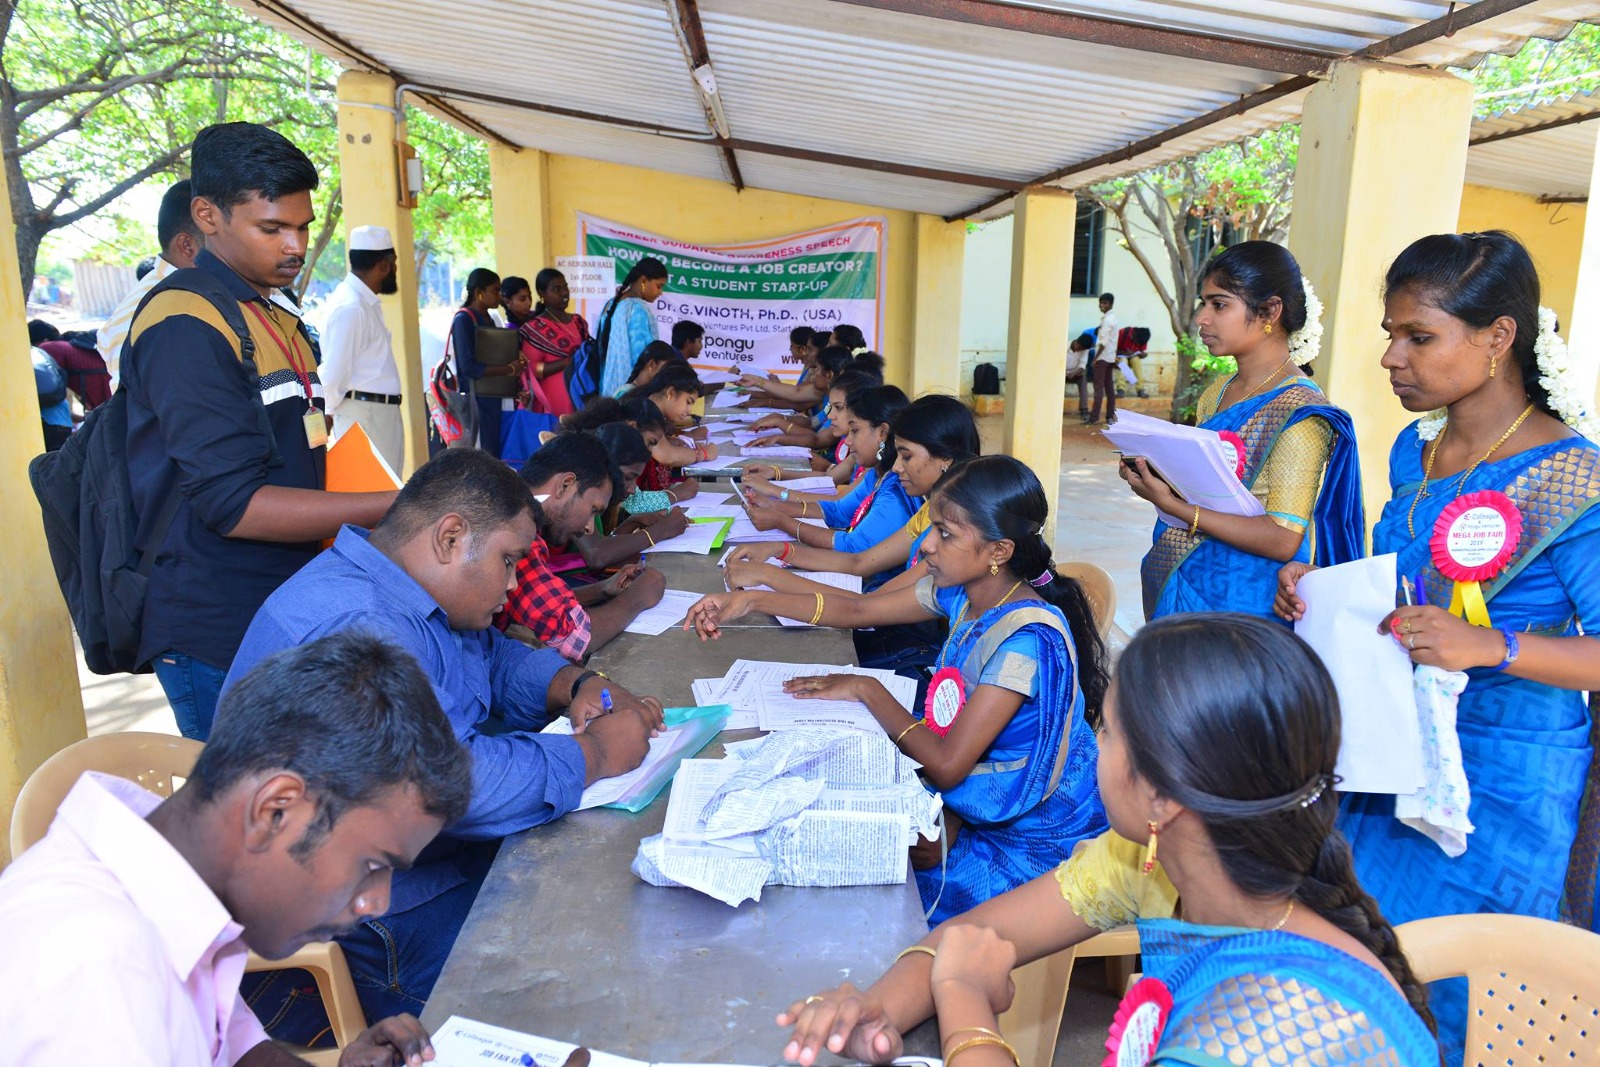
pixel 1043 580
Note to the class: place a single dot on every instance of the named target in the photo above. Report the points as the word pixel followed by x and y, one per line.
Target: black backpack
pixel 103 553
pixel 985 380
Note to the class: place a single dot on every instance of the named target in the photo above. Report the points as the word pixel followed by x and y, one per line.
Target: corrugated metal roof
pixel 848 79
pixel 1554 159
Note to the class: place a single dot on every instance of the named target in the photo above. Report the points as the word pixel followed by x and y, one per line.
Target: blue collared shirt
pixel 520 778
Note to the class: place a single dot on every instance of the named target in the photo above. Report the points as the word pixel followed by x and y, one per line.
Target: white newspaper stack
pixel 1194 461
pixel 804 807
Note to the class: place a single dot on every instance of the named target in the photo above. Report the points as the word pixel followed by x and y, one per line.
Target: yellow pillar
pixel 936 343
pixel 41 707
pixel 1583 332
pixel 1041 264
pixel 371 177
pixel 518 180
pixel 1356 207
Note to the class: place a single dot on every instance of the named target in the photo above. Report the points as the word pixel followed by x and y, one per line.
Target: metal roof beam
pixel 1457 19
pixel 1111 32
pixel 687 20
pixel 1553 124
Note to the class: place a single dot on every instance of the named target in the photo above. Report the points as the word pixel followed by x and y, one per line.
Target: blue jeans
pixel 394 962
pixel 192 688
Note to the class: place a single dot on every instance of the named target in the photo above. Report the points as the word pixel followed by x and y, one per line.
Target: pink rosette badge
pixel 1473 540
pixel 1136 1031
pixel 1235 442
pixel 947 695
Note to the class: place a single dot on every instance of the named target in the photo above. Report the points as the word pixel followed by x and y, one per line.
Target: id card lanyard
pixel 316 426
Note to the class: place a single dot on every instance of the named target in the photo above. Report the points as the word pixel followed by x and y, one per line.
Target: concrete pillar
pixel 1583 332
pixel 41 707
pixel 936 339
pixel 371 176
pixel 1356 207
pixel 517 180
pixel 1041 265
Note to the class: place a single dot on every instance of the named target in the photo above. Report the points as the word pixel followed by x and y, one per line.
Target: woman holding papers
pixel 1296 452
pixel 1003 733
pixel 1505 438
pixel 1226 784
pixel 871 512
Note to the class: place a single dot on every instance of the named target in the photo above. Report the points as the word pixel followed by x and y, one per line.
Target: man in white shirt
pixel 180 242
pixel 1105 361
pixel 127 927
pixel 358 372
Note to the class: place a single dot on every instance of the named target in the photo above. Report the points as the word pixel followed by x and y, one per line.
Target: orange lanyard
pixel 288 353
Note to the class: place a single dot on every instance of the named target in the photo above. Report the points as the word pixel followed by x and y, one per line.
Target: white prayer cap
pixel 371 239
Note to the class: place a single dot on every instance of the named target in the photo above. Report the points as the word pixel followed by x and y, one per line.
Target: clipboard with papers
pixel 1196 462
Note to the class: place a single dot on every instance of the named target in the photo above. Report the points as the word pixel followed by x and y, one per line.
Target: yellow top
pixel 1288 482
pixel 918 523
pixel 1103 883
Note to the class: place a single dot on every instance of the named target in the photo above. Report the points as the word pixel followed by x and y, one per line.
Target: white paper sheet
pixel 1380 749
pixel 700 509
pixel 1194 461
pixel 727 398
pixel 819 483
pixel 466 1043
pixel 709 691
pixel 774 452
pixel 704 499
pixel 699 537
pixel 832 579
pixel 715 377
pixel 668 746
pixel 782 711
pixel 657 620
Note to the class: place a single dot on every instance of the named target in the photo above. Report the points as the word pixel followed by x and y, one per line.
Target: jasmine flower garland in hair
pixel 1306 342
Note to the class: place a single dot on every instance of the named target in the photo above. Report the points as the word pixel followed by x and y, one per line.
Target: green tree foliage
pixel 1540 72
pixel 100 96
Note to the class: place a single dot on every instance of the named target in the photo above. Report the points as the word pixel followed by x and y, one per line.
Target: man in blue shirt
pixel 430 578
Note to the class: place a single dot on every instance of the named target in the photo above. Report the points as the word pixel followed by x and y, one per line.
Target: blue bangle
pixel 1513 648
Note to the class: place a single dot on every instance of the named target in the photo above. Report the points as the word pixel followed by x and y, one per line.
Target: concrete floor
pixel 1100 521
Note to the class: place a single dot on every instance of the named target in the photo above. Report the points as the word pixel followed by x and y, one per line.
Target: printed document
pixel 1196 462
pixel 657 620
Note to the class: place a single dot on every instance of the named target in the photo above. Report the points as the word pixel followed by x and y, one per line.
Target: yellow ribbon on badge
pixel 1466 601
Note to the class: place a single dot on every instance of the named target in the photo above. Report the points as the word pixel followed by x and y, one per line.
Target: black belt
pixel 371 398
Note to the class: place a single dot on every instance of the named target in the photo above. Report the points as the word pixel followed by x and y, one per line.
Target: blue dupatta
pixel 1184 573
pixel 1033 795
pixel 1263 996
pixel 1526 746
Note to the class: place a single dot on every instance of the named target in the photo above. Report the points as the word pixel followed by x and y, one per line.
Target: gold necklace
pixel 1427 466
pixel 962 614
pixel 1287 912
pixel 1263 383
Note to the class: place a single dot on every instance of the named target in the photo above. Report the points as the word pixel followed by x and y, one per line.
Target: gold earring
pixel 1268 328
pixel 1492 361
pixel 1150 848
pixel 994 568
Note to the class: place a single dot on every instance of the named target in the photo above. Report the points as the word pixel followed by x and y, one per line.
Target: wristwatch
pixel 577 685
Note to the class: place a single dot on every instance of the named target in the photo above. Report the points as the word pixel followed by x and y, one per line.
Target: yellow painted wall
pixel 1552 232
pixel 711 212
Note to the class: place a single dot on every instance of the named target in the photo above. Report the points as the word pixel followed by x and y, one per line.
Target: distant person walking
pixel 180 242
pixel 358 371
pixel 1105 361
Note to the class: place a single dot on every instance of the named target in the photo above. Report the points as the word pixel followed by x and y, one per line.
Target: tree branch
pixel 149 170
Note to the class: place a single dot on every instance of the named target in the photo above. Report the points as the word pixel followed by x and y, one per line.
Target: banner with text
pixel 749 296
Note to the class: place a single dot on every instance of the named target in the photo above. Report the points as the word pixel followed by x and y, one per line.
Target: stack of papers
pixel 467 1043
pixel 804 807
pixel 775 452
pixel 819 483
pixel 753 691
pixel 688 731
pixel 657 620
pixel 1194 461
pixel 727 398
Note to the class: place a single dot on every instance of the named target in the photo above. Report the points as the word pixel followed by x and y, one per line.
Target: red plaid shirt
pixel 544 604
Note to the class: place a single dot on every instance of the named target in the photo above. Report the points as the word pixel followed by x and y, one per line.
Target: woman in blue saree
pixel 1297 452
pixel 1003 735
pixel 1466 337
pixel 1259 945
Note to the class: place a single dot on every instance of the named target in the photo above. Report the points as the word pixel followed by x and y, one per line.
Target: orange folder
pixel 354 466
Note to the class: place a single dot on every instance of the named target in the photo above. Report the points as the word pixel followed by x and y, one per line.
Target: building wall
pixel 1552 232
pixel 986 295
pixel 709 212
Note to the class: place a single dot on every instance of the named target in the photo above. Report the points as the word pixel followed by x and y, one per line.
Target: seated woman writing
pixel 673 391
pixel 932 436
pixel 1278 948
pixel 656 355
pixel 1003 733
pixel 831 362
pixel 831 449
pixel 878 505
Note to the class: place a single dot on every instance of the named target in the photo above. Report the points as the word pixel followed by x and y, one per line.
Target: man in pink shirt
pixel 127 927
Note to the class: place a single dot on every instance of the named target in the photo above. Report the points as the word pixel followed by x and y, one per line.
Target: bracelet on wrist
pixel 578 684
pixel 1513 649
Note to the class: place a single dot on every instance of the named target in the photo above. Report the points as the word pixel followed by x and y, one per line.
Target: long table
pixel 564 941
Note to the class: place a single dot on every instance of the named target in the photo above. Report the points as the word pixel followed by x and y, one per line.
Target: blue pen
pixel 605 700
pixel 527 1060
pixel 1422 593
